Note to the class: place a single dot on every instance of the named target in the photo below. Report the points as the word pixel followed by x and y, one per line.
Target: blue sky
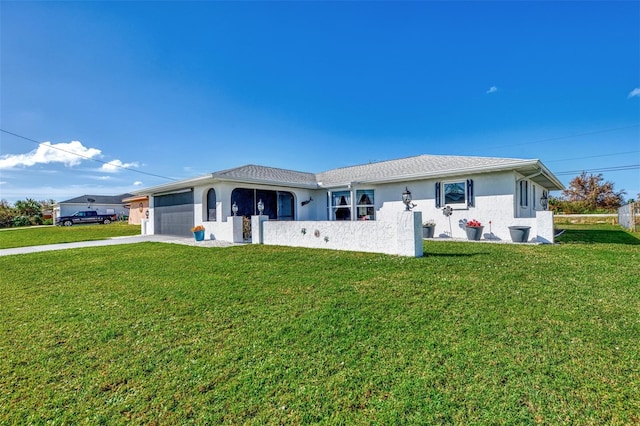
pixel 179 89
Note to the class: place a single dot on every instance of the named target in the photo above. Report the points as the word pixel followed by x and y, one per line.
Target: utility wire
pixel 605 169
pixel 595 132
pixel 608 169
pixel 594 156
pixel 84 156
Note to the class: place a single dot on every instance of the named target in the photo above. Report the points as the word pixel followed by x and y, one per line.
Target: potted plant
pixel 428 228
pixel 474 230
pixel 198 232
pixel 519 234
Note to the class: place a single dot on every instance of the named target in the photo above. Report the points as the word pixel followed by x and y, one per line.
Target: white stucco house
pixel 499 192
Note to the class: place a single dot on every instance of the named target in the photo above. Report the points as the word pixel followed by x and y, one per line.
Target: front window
pixel 455 193
pixel 211 205
pixel 524 193
pixel 365 204
pixel 341 205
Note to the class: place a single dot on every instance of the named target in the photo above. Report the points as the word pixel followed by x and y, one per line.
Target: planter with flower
pixel 474 230
pixel 428 229
pixel 198 232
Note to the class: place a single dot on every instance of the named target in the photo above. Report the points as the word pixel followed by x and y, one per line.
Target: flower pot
pixel 428 231
pixel 198 235
pixel 474 233
pixel 519 234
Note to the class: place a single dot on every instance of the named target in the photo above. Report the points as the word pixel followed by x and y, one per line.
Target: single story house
pixel 499 192
pixel 103 204
pixel 138 207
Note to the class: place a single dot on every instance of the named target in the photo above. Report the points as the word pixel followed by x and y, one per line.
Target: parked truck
pixel 88 216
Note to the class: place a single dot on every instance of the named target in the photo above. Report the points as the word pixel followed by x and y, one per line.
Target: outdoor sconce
pixel 234 208
pixel 406 199
pixel 260 206
pixel 146 214
pixel 544 201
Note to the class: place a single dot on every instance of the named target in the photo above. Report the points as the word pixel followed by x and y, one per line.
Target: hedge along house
pixel 499 191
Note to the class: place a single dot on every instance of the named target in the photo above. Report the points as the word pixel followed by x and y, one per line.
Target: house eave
pixel 173 186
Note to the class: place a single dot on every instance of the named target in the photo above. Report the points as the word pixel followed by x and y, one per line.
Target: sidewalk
pixel 116 241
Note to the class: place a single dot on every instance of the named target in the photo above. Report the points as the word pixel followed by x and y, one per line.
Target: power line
pixel 594 156
pixel 85 157
pixel 604 169
pixel 595 132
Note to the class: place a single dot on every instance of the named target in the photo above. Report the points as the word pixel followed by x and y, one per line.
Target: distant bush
pixel 21 221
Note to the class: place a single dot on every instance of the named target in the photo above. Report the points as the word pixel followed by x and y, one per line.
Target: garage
pixel 174 213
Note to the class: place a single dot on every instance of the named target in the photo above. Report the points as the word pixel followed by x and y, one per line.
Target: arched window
pixel 211 205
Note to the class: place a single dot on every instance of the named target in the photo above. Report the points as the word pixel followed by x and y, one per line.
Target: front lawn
pixel 469 334
pixel 31 236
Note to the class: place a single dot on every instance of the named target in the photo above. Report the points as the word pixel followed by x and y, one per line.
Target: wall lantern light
pixel 260 206
pixel 234 208
pixel 544 201
pixel 406 199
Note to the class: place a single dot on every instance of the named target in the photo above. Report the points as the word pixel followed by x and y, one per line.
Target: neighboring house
pixel 138 208
pixel 499 192
pixel 103 204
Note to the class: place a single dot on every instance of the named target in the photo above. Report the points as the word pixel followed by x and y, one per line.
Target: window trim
pixel 464 204
pixel 368 207
pixel 333 208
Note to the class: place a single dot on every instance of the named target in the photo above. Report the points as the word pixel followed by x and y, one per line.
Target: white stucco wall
pixel 402 236
pixel 495 199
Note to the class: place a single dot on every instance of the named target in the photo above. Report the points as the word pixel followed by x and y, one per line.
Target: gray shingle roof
pixel 99 199
pixel 413 167
pixel 402 169
pixel 255 173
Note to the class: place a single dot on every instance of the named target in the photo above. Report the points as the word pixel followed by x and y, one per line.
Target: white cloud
pixel 634 92
pixel 116 165
pixel 137 183
pixel 492 89
pixel 70 154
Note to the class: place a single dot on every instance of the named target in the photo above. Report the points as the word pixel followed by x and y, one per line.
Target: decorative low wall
pixel 229 230
pixel 401 237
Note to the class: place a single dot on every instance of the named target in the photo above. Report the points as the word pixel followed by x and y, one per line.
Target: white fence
pixel 629 215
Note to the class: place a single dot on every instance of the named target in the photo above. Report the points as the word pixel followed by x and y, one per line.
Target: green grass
pixel 585 234
pixel 23 237
pixel 469 334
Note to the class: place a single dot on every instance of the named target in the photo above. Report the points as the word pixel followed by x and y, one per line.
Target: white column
pixel 409 234
pixel 544 227
pixel 257 236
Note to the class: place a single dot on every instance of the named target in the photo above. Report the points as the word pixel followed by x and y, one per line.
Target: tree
pixel 6 214
pixel 589 193
pixel 29 211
